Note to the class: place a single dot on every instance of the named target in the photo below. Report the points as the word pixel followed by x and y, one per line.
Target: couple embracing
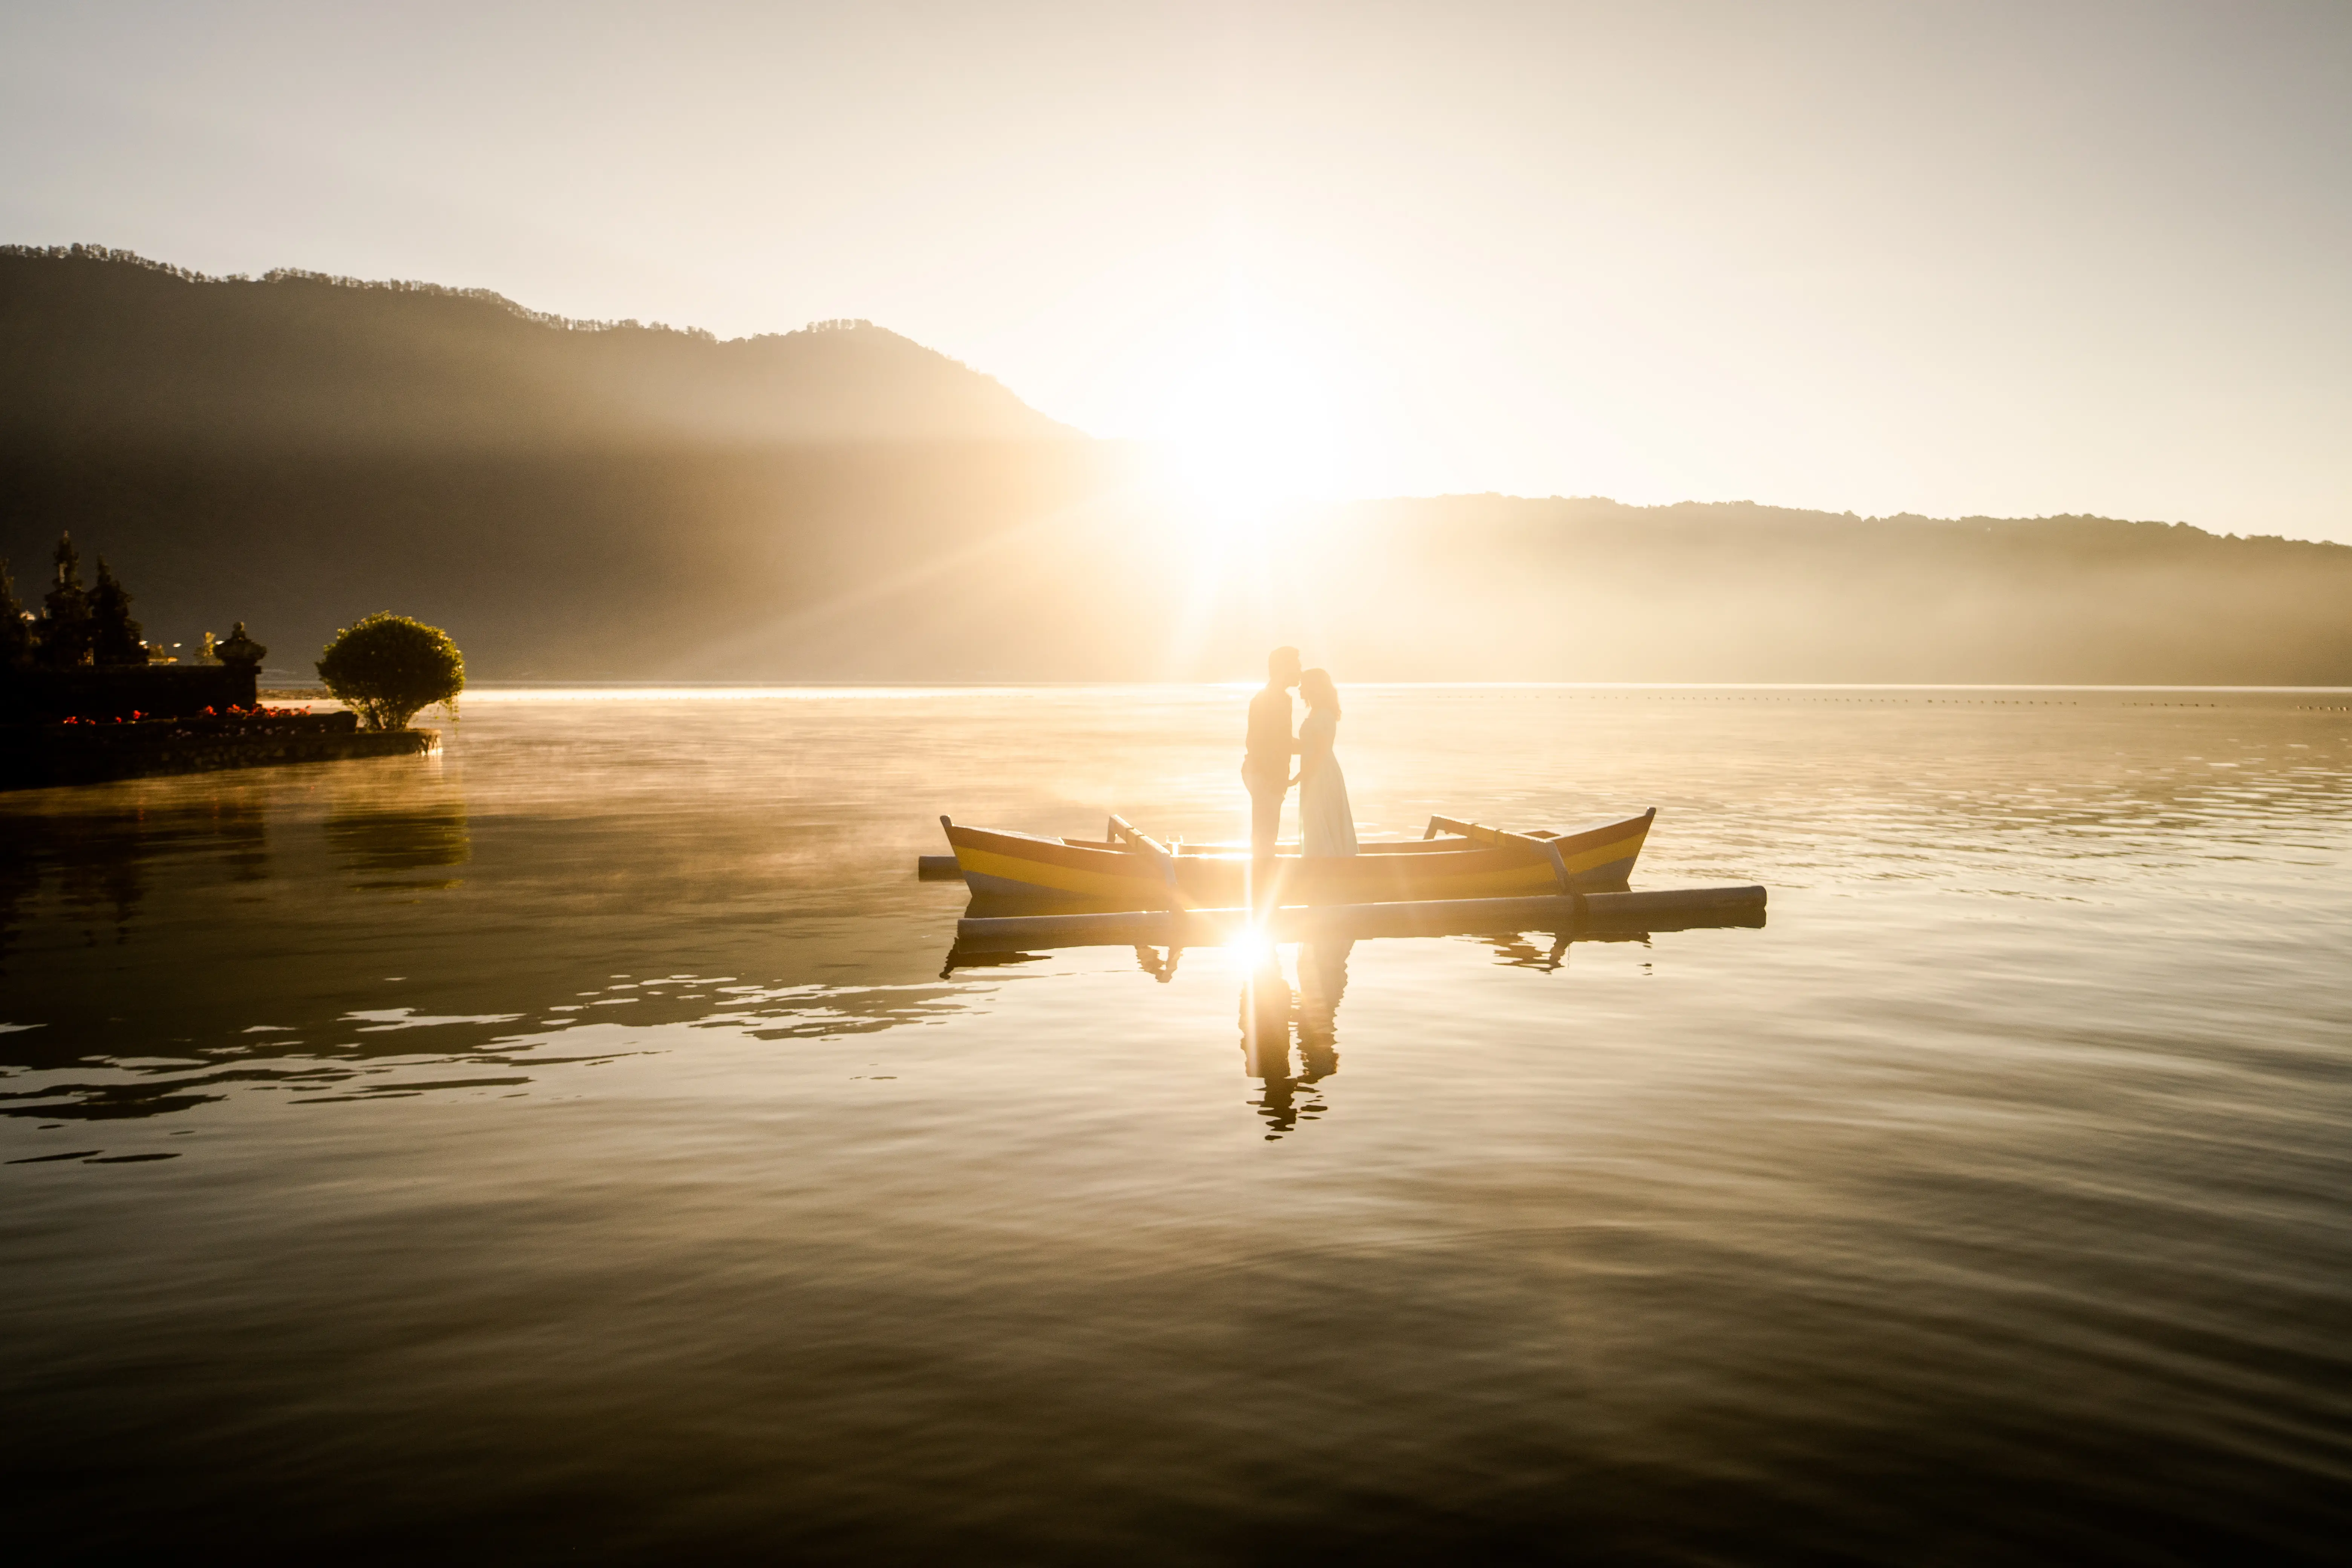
pixel 1325 824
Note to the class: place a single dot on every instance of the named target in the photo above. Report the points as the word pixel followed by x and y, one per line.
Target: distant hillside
pixel 104 348
pixel 1736 591
pixel 573 500
pixel 621 502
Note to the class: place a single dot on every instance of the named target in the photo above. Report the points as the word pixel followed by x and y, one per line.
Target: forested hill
pixel 570 500
pixel 104 348
pixel 1735 591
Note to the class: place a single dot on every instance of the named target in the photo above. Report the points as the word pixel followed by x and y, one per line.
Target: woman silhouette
pixel 1326 824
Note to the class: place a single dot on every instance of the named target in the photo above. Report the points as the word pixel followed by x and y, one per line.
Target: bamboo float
pixel 1296 923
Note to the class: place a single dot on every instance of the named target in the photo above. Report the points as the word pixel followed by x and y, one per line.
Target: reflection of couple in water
pixel 1326 826
pixel 1270 1009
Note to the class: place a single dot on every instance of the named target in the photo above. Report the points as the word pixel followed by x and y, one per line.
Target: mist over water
pixel 572 1146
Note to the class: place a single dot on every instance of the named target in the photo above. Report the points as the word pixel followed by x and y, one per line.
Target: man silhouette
pixel 1265 763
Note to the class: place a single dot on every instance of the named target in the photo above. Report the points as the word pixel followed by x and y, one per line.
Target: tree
pixel 387 667
pixel 65 627
pixel 114 636
pixel 16 632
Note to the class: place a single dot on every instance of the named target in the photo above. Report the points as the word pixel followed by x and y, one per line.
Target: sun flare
pixel 1250 946
pixel 1245 431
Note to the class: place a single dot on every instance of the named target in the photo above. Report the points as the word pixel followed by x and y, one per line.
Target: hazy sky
pixel 1980 257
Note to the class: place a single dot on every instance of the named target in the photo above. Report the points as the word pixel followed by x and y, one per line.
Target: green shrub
pixel 388 666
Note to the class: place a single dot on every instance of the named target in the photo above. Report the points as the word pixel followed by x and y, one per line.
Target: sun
pixel 1250 945
pixel 1245 430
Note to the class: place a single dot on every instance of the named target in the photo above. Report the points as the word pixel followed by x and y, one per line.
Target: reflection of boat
pixel 1128 869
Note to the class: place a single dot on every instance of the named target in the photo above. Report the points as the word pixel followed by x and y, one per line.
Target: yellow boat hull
pixel 1019 865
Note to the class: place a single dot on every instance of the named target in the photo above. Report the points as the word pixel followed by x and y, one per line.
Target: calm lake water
pixel 577 1146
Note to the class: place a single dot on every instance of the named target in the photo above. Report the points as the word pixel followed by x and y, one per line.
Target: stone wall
pixel 45 755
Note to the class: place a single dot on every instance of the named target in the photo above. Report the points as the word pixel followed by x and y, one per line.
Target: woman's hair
pixel 1316 688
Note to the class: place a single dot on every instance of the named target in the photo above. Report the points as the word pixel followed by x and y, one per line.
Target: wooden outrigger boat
pixel 1129 870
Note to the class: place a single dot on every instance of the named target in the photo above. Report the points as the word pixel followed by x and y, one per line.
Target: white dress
pixel 1325 824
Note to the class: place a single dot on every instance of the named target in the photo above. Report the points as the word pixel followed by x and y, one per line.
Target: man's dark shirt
pixel 1269 752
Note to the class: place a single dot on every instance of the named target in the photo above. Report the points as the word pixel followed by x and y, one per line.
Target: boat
pixel 1128 869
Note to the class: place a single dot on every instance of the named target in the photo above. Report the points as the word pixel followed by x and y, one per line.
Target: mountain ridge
pixel 106 347
pixel 1770 510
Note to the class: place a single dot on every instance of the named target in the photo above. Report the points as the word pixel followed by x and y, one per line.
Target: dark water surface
pixel 570 1147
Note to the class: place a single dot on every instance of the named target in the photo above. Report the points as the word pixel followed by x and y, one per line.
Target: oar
pixel 1496 836
pixel 1122 828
